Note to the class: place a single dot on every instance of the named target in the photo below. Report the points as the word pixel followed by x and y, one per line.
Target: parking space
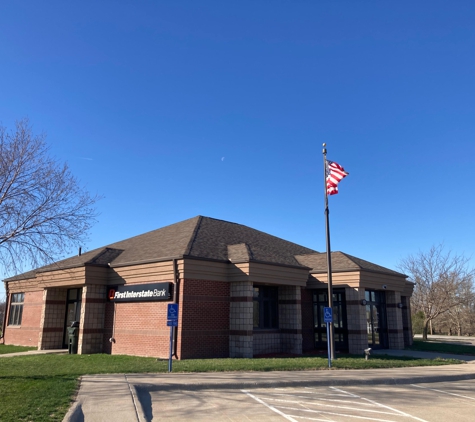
pixel 434 402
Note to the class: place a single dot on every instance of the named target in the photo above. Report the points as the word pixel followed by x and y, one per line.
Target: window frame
pixel 15 313
pixel 266 302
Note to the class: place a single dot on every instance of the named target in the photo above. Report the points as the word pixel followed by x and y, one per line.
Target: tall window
pixel 266 310
pixel 16 309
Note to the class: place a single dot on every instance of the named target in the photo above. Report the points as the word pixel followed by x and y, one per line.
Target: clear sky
pixel 172 109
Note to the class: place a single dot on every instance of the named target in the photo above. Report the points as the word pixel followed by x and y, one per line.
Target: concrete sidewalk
pixel 122 397
pixel 36 352
pixel 423 355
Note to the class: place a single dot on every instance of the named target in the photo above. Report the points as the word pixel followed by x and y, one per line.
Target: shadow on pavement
pixel 145 399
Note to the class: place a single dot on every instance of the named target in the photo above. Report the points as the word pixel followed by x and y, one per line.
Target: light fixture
pixel 400 305
pixel 363 302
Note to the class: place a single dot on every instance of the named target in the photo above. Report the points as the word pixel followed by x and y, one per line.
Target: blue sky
pixel 172 109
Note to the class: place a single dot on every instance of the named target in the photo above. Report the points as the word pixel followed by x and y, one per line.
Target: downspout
pixel 4 326
pixel 176 294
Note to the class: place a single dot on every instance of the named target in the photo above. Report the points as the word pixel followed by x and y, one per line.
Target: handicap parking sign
pixel 327 315
pixel 172 311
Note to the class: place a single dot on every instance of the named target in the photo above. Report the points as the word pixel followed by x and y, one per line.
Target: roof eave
pixel 395 273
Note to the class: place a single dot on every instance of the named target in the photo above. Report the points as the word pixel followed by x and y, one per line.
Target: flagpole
pixel 330 338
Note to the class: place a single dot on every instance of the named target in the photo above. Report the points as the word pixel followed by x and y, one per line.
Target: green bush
pixel 418 322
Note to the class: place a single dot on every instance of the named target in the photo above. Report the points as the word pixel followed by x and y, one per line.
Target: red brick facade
pixel 139 328
pixel 204 319
pixel 27 333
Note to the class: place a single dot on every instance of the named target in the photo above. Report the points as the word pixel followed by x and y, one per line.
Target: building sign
pixel 141 292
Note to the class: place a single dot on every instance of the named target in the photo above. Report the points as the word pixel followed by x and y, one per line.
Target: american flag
pixel 335 173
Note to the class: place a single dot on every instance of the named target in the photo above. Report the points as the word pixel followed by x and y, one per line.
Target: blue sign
pixel 172 323
pixel 172 312
pixel 327 314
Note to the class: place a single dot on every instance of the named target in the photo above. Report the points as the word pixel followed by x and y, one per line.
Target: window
pixel 16 309
pixel 266 310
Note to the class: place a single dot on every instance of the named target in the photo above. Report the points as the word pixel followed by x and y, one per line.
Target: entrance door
pixel 376 319
pixel 320 301
pixel 73 311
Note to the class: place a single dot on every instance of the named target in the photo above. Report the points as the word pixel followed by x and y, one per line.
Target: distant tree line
pixel 443 301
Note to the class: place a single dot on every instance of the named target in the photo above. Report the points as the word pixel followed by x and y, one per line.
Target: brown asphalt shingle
pixel 199 237
pixel 209 238
pixel 341 262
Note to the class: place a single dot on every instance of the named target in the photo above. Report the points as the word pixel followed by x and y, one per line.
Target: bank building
pixel 240 293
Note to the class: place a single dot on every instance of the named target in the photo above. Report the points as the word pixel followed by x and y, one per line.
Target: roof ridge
pixel 380 268
pixel 351 258
pixel 249 251
pixel 193 235
pixel 104 250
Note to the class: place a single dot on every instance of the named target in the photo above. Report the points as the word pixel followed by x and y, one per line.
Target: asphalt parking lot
pixel 431 393
pixel 431 402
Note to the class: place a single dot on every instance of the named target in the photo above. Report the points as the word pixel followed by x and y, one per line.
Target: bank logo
pixel 140 293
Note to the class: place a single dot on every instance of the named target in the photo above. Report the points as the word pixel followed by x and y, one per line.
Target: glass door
pixel 73 311
pixel 320 301
pixel 376 319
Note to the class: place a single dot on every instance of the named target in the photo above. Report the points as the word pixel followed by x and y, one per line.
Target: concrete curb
pixel 75 413
pixel 141 414
pixel 302 383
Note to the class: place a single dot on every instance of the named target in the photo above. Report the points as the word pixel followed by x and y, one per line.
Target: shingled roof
pixel 208 238
pixel 198 237
pixel 341 262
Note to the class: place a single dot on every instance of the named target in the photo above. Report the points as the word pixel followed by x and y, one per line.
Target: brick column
pixel 356 320
pixel 290 319
pixel 52 319
pixel 394 316
pixel 91 326
pixel 241 320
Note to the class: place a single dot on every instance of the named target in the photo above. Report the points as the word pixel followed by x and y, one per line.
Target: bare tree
pixel 443 283
pixel 43 210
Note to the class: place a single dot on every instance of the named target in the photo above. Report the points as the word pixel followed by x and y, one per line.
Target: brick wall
pixel 204 319
pixel 108 327
pixel 52 319
pixel 288 337
pixel 241 320
pixel 290 319
pixel 27 334
pixel 91 325
pixel 356 319
pixel 139 329
pixel 394 316
pixel 266 342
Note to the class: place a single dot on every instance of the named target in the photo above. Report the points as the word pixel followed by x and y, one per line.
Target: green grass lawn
pixel 40 387
pixel 4 349
pixel 437 346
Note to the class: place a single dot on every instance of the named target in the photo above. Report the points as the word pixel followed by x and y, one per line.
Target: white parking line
pixel 387 407
pixel 335 414
pixel 328 403
pixel 338 407
pixel 269 406
pixel 443 392
pixel 328 400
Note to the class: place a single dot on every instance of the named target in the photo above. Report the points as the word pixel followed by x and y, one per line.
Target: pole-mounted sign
pixel 172 321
